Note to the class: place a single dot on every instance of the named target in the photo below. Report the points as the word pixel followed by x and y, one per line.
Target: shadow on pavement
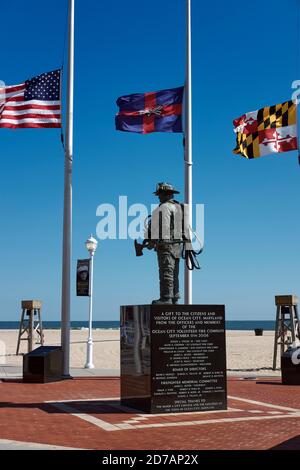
pixel 89 407
pixel 290 444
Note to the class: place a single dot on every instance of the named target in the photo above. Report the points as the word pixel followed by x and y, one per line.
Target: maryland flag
pixel 272 129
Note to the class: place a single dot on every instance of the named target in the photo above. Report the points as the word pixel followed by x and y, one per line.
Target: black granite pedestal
pixel 173 358
pixel 43 365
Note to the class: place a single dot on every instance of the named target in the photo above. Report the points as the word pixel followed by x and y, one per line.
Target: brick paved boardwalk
pixel 85 413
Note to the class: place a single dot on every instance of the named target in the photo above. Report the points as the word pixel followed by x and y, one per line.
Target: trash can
pixel 258 331
pixel 43 365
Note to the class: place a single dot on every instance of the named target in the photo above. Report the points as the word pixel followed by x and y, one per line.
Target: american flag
pixel 35 103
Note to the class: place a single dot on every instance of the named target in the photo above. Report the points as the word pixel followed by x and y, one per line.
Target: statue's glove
pixel 149 244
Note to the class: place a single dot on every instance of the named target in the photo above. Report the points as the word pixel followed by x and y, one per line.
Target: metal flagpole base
pixel 89 362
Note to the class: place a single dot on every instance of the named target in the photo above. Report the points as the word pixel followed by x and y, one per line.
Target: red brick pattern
pixel 25 415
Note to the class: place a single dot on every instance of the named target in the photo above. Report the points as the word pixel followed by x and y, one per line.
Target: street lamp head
pixel 91 245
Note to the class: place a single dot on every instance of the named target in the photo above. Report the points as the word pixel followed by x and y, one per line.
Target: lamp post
pixel 91 245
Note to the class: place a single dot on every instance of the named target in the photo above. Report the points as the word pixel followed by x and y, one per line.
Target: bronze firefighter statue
pixel 169 236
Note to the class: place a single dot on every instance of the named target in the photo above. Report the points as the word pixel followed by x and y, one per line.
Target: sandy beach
pixel 245 351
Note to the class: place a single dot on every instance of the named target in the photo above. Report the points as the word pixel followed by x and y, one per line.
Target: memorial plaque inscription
pixel 176 359
pixel 188 350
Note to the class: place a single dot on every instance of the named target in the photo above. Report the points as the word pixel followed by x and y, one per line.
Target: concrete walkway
pixel 15 372
pixel 17 445
pixel 9 371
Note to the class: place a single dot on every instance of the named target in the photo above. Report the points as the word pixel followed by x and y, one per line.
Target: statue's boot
pixel 162 302
pixel 176 299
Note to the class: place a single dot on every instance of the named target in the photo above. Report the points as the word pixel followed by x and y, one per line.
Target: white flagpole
pixel 188 287
pixel 67 223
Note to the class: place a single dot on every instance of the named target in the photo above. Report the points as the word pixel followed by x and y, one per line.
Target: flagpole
pixel 67 221
pixel 188 288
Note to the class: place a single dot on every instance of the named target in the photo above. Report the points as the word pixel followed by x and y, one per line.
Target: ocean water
pixel 55 325
pixel 267 325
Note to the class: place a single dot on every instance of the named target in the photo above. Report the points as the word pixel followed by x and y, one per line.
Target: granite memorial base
pixel 173 358
pixel 43 365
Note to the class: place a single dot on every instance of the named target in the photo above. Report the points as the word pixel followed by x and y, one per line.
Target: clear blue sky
pixel 243 59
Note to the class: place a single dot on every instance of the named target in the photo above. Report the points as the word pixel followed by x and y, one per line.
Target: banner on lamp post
pixel 83 278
